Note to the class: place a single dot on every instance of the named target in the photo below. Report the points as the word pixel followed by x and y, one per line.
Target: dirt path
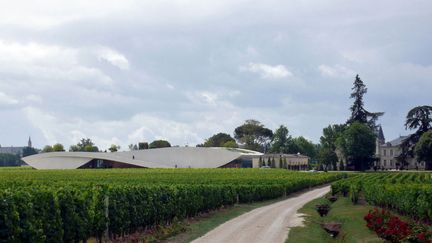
pixel 266 224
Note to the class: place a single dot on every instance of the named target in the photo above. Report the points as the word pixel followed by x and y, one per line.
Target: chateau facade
pixel 388 152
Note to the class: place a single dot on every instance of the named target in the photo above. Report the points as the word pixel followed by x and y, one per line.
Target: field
pixel 407 193
pixel 404 198
pixel 351 216
pixel 74 205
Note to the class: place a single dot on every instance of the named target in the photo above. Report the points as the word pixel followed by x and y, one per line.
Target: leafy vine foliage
pixel 407 193
pixel 72 206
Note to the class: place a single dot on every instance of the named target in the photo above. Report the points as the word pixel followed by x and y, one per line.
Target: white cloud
pixel 208 97
pixel 170 86
pixel 113 57
pixel 267 71
pixel 25 53
pixel 178 57
pixel 363 55
pixel 51 13
pixel 336 71
pixel 7 99
pixel 46 14
pixel 32 98
pixel 43 66
pixel 252 51
pixel 140 127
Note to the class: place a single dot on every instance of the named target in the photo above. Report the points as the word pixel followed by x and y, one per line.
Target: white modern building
pixel 172 157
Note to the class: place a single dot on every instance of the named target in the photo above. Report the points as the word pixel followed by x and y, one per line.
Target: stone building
pixel 15 150
pixel 389 152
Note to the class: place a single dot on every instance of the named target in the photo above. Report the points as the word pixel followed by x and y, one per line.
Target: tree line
pixel 87 145
pixel 253 135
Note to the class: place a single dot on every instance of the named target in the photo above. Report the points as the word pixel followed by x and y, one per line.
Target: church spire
pixel 380 135
pixel 29 143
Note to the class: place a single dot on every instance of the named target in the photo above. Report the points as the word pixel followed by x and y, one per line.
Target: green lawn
pixel 351 216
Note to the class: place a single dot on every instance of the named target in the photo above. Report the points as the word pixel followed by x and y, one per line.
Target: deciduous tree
pixel 47 149
pixel 159 144
pixel 58 147
pixel 27 151
pixel 114 148
pixel 358 145
pixel 327 154
pixel 230 144
pixel 423 149
pixel 218 140
pixel 253 135
pixel 305 147
pixel 282 142
pixel 420 119
pixel 143 145
pixel 84 145
pixel 328 158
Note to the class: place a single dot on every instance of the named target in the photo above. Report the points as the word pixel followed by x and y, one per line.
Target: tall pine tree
pixel 358 112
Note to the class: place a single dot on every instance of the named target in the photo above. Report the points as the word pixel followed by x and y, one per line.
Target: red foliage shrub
pixel 393 229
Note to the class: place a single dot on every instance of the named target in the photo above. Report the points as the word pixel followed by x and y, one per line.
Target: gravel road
pixel 267 224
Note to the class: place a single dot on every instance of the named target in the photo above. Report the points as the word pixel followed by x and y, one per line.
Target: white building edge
pixel 172 157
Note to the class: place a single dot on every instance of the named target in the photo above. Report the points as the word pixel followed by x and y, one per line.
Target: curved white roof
pixel 182 157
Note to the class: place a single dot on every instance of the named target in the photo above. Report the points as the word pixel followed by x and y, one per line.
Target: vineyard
pixel 407 193
pixel 74 205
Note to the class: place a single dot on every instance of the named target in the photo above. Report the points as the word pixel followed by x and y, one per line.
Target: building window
pixel 391 162
pixel 385 162
pixel 391 152
pixel 385 152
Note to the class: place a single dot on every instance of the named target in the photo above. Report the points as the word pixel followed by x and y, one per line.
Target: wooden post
pixel 107 217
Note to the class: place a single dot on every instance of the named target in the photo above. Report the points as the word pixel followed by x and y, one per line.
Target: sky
pixel 121 72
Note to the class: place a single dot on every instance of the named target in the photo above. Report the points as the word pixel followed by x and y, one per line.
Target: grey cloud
pixel 136 64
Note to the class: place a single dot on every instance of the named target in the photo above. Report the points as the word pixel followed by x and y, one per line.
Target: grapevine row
pixel 407 193
pixel 65 206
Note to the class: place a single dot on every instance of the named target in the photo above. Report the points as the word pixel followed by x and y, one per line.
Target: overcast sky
pixel 124 71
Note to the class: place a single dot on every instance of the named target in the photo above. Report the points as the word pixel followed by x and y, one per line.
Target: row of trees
pixel 152 145
pixel 254 135
pixel 87 145
pixel 54 148
pixel 355 141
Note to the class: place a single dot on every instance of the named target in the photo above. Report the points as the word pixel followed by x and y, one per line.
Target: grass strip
pixel 351 216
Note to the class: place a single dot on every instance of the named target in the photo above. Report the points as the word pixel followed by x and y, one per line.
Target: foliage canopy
pixel 253 135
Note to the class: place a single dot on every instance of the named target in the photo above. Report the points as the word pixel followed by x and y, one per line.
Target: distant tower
pixel 380 135
pixel 380 140
pixel 29 142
